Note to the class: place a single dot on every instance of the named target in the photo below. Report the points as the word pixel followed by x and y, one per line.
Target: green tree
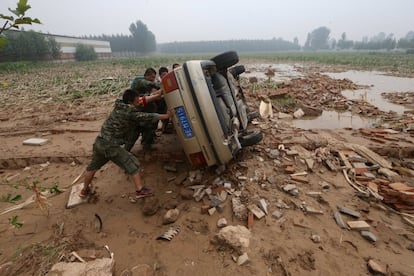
pixel 343 43
pixel 377 42
pixel 407 42
pixel 296 40
pixel 54 47
pixel 28 46
pixel 14 22
pixel 143 39
pixel 85 52
pixel 318 39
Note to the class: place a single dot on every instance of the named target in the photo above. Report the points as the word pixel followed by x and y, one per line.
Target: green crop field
pixel 390 61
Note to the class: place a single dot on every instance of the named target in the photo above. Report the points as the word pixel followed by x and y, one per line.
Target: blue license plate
pixel 184 123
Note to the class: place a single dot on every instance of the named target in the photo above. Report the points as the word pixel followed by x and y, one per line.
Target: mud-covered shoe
pixel 85 192
pixel 144 192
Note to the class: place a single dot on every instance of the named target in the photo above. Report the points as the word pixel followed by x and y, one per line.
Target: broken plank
pixel 344 160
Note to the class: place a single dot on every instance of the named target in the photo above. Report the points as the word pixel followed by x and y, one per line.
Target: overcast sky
pixel 194 20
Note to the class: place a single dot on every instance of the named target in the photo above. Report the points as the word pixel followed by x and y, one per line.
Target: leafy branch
pixel 18 18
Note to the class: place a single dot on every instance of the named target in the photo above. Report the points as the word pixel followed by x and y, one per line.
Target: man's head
pixel 130 96
pixel 175 65
pixel 162 71
pixel 150 74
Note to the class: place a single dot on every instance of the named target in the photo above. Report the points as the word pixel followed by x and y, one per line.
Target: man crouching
pixel 109 145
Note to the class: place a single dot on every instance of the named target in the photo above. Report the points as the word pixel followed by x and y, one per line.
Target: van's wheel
pixel 250 137
pixel 253 115
pixel 225 60
pixel 237 70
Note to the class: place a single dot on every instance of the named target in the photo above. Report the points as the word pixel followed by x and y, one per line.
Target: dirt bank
pixel 298 174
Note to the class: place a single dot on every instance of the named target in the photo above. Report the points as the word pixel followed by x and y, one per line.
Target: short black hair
pixel 162 70
pixel 129 96
pixel 175 65
pixel 150 71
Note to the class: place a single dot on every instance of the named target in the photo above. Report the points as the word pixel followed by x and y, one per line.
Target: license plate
pixel 184 123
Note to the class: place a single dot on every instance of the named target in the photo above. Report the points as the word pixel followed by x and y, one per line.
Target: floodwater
pixel 377 82
pixel 282 72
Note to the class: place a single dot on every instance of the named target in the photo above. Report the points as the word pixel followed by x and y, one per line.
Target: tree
pixel 296 40
pixel 318 39
pixel 54 47
pixel 407 42
pixel 85 52
pixel 409 36
pixel 28 46
pixel 11 22
pixel 343 43
pixel 143 39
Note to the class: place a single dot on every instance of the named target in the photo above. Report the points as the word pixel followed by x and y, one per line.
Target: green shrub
pixel 85 53
pixel 27 46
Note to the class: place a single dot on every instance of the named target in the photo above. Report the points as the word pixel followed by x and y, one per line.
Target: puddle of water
pixel 282 72
pixel 334 120
pixel 378 83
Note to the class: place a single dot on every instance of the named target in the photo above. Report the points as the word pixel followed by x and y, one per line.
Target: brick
pixel 311 210
pixel 359 165
pixel 398 186
pixel 204 209
pixel 373 186
pixel 365 132
pixel 360 170
pixel 250 220
pixel 358 225
pixel 258 213
pixel 289 169
pixel 300 178
pixel 378 140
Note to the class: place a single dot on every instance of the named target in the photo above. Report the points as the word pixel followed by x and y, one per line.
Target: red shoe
pixel 144 192
pixel 85 192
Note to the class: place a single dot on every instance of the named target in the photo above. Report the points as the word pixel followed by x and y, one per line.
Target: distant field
pixel 396 62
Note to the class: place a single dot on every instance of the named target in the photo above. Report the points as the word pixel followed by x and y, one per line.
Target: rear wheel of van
pixel 237 70
pixel 253 115
pixel 250 137
pixel 225 60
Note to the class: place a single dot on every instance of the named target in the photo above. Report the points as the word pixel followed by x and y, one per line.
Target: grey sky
pixel 193 20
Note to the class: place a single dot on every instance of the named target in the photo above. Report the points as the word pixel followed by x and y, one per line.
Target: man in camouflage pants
pixel 145 85
pixel 109 145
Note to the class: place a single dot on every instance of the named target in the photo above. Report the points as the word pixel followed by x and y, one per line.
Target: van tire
pixel 237 70
pixel 225 60
pixel 253 115
pixel 250 137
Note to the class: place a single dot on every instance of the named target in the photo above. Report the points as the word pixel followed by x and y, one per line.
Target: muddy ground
pixel 298 236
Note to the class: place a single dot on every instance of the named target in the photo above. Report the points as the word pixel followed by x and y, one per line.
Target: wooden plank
pixel 344 160
pixel 370 155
